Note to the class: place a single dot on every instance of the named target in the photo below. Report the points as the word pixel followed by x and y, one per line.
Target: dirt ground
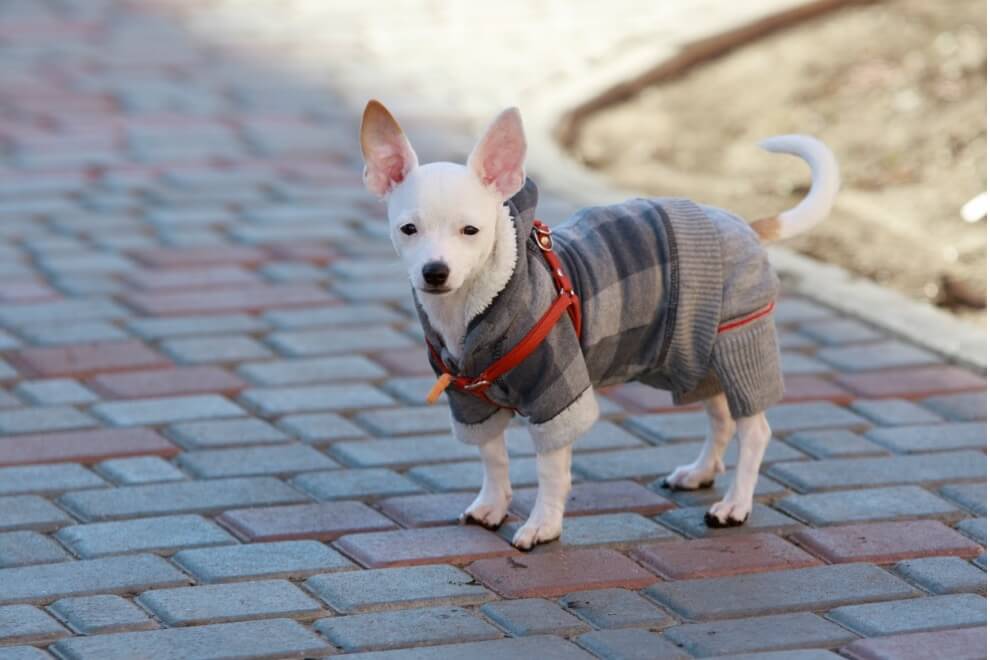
pixel 897 89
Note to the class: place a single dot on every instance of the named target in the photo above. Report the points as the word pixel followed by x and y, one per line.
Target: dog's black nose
pixel 435 273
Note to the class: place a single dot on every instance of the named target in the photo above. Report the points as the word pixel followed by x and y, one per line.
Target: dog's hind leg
pixel 701 473
pixel 546 520
pixel 734 509
pixel 492 503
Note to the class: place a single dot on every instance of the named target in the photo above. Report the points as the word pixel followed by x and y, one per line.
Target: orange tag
pixel 438 388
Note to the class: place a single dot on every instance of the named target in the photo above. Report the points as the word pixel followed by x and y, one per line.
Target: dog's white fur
pixel 440 200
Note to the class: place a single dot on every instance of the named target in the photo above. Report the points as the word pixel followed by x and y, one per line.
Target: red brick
pixel 429 510
pixel 721 556
pixel 643 398
pixel 593 498
pixel 911 383
pixel 167 382
pixel 81 360
pixel 962 644
pixel 253 298
pixel 551 574
pixel 438 545
pixel 324 521
pixel 886 542
pixel 405 361
pixel 26 291
pixel 83 446
pixel 813 388
pixel 201 256
pixel 319 255
pixel 190 278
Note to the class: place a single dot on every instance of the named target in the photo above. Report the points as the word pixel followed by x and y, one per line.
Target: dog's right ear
pixel 388 156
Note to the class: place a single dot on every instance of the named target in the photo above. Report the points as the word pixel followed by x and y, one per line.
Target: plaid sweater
pixel 656 278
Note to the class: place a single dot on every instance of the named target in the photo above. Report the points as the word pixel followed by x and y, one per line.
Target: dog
pixel 521 319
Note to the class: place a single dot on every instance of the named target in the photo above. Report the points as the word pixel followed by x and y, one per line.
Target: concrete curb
pixel 551 116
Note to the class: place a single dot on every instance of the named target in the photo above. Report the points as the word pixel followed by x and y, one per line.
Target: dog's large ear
pixel 388 156
pixel 499 157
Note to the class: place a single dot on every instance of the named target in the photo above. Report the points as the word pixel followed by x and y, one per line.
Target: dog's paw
pixel 728 513
pixel 535 532
pixel 487 510
pixel 692 477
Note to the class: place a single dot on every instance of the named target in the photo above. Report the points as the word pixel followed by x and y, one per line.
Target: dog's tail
pixel 818 202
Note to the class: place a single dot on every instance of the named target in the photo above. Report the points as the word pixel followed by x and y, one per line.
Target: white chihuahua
pixel 670 293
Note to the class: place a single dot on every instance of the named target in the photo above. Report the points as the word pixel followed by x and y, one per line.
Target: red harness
pixel 567 300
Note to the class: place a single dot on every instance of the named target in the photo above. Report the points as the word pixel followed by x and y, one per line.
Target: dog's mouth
pixel 436 290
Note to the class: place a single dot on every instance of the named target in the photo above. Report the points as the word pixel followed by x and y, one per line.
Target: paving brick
pixel 405 421
pixel 668 428
pixel 284 559
pixel 943 575
pixel 615 608
pixel 307 371
pixel 533 616
pixel 139 470
pixel 167 382
pixel 915 383
pixel 690 521
pixel 225 433
pixel 468 475
pixel 756 594
pixel 91 615
pixel 356 484
pixel 180 326
pixel 717 557
pixel 880 355
pixel 48 582
pixel 874 504
pixel 429 510
pixel 630 644
pixel 966 407
pixel 25 548
pixel 324 521
pixel 886 542
pixel 320 428
pixel 227 254
pixel 408 547
pixel 395 588
pixel 363 315
pixel 46 479
pixel 404 451
pixel 388 630
pixel 936 437
pixel 53 392
pixel 85 359
pixel 616 530
pixel 7 372
pixel 894 412
pixel 836 443
pixel 22 653
pixel 837 473
pixel 285 400
pixel 202 350
pixel 272 638
pixel 766 488
pixel 81 332
pixel 657 461
pixel 789 417
pixel 250 461
pixel 411 390
pixel 792 364
pixel 915 615
pixel 48 418
pixel 301 343
pixel 26 623
pixel 161 535
pixel 411 361
pixel 60 311
pixel 190 278
pixel 166 410
pixel 971 496
pixel 965 644
pixel 179 497
pixel 799 387
pixel 975 528
pixel 599 498
pixel 765 633
pixel 220 603
pixel 30 512
pixel 254 298
pixel 837 332
pixel 557 573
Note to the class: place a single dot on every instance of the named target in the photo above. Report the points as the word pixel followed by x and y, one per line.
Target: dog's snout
pixel 435 273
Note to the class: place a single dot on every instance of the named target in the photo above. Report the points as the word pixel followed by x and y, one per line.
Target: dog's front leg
pixel 546 520
pixel 734 509
pixel 492 503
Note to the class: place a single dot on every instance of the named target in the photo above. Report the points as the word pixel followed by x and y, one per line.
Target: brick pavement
pixel 211 434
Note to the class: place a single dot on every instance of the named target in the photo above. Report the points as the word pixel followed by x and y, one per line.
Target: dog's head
pixel 442 216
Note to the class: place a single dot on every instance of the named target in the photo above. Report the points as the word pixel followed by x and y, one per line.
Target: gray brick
pixel 361 269
pixel 894 412
pixel 406 421
pixel 845 506
pixel 373 290
pixel 915 615
pixel 166 410
pixel 792 363
pixel 788 417
pixel 813 588
pixel 26 548
pixel 8 400
pixel 533 616
pixel 92 615
pixel 285 400
pixel 180 497
pixel 806 654
pixel 616 530
pixel 630 644
pixel 161 535
pixel 282 559
pixel 320 428
pixel 880 355
pixel 690 521
pixel 838 473
pixel 8 341
pixel 250 461
pixel 403 451
pixel 7 372
pixel 225 433
pixel 766 488
pixel 412 391
pixel 355 484
pixel 329 342
pixel 602 435
pixel 219 603
pixel 85 262
pixel 206 350
pixel 26 623
pixel 312 370
pixel 22 653
pixel 468 475
pixel 293 271
pixel 545 647
pixel 835 444
pixel 47 582
pixel 615 608
pixel 943 575
pixel 30 512
pixel 58 334
pixel 139 470
pixel 974 528
pixel 273 638
pixel 765 633
pixel 54 392
pixel 389 630
pixel 48 418
pixel 965 407
pixel 395 588
pixel 195 325
pixel 971 496
pixel 46 479
pixel 839 331
pixel 336 315
pixel 915 439
pixel 72 311
pixel 667 427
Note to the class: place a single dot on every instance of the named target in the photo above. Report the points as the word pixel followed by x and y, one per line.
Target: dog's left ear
pixel 388 156
pixel 499 157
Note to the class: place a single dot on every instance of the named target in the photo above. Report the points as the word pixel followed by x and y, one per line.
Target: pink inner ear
pixel 498 158
pixel 394 167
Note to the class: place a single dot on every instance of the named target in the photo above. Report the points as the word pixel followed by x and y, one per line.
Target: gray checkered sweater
pixel 656 278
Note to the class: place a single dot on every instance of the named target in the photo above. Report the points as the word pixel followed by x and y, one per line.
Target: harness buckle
pixel 544 240
pixel 475 385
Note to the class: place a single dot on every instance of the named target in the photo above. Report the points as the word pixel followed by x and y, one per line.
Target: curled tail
pixel 818 202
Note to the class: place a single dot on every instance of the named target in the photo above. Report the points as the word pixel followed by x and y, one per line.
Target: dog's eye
pixel 408 229
pixel 470 230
